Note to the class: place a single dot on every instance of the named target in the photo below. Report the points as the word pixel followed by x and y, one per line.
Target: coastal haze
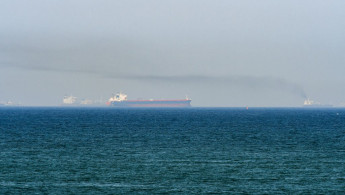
pixel 219 53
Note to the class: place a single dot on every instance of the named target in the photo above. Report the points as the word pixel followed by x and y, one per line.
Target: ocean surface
pixel 176 151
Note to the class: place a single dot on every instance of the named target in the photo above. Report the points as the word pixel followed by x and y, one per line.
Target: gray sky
pixel 218 52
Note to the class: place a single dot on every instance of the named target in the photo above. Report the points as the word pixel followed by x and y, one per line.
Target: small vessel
pixel 120 100
pixel 69 100
pixel 9 103
pixel 312 104
pixel 308 102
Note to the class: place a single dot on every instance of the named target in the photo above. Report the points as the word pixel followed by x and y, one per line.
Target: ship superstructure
pixel 69 100
pixel 120 100
pixel 310 103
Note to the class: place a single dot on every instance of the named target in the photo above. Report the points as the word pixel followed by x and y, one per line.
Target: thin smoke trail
pixel 251 82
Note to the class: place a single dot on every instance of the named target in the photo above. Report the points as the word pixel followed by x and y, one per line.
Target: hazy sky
pixel 218 52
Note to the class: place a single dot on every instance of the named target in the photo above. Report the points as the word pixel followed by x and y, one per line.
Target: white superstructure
pixel 308 102
pixel 118 97
pixel 69 99
pixel 311 103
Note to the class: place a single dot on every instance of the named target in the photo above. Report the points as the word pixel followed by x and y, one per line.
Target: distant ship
pixel 120 100
pixel 9 103
pixel 69 100
pixel 312 104
pixel 73 102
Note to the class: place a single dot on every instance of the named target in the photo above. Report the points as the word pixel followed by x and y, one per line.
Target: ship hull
pixel 151 103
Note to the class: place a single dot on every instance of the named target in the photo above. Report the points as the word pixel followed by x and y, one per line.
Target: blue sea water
pixel 176 151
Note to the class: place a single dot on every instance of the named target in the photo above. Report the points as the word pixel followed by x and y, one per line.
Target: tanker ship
pixel 120 100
